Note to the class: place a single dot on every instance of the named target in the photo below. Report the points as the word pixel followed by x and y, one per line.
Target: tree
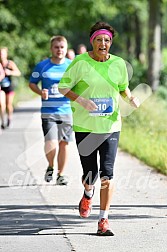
pixel 154 43
pixel 26 27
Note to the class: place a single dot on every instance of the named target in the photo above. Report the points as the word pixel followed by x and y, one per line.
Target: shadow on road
pixel 36 219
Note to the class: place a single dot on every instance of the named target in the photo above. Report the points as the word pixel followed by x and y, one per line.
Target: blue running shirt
pixel 50 74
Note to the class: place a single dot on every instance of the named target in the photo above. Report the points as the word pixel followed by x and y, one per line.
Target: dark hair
pixel 102 25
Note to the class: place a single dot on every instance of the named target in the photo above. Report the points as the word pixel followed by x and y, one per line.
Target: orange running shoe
pixel 103 228
pixel 85 206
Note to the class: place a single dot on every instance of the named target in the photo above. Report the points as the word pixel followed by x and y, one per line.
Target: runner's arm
pixel 43 93
pixel 87 104
pixel 13 69
pixel 126 94
pixel 2 73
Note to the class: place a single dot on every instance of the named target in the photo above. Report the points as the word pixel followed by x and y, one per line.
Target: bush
pixel 162 89
pixel 140 74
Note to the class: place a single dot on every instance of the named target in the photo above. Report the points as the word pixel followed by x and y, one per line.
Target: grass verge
pixel 144 134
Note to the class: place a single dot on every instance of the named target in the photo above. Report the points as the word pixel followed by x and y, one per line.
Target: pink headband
pixel 99 32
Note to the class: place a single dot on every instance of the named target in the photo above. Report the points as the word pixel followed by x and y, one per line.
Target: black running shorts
pixel 89 145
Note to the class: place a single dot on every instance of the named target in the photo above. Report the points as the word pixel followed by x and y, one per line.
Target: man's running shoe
pixel 61 180
pixel 3 126
pixel 8 125
pixel 49 174
pixel 85 206
pixel 103 228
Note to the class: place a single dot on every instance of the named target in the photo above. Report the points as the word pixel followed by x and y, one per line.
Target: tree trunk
pixel 154 43
pixel 138 36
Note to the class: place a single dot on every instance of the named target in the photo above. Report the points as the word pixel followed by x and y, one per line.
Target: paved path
pixel 37 216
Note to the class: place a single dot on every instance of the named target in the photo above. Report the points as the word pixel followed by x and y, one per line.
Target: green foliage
pixel 22 90
pixel 26 27
pixel 8 21
pixel 139 74
pixel 162 92
pixel 162 89
pixel 144 133
pixel 164 56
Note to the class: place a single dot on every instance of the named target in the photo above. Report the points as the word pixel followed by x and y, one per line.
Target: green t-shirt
pixel 92 79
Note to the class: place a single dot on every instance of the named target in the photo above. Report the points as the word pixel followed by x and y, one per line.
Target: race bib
pixel 54 92
pixel 105 106
pixel 5 82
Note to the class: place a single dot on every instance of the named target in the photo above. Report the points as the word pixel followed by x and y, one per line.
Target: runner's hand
pixel 134 101
pixel 87 104
pixel 7 72
pixel 45 94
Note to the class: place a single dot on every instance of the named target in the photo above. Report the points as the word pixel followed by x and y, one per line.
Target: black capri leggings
pixel 89 144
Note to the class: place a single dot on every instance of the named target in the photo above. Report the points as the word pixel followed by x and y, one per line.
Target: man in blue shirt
pixel 56 112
